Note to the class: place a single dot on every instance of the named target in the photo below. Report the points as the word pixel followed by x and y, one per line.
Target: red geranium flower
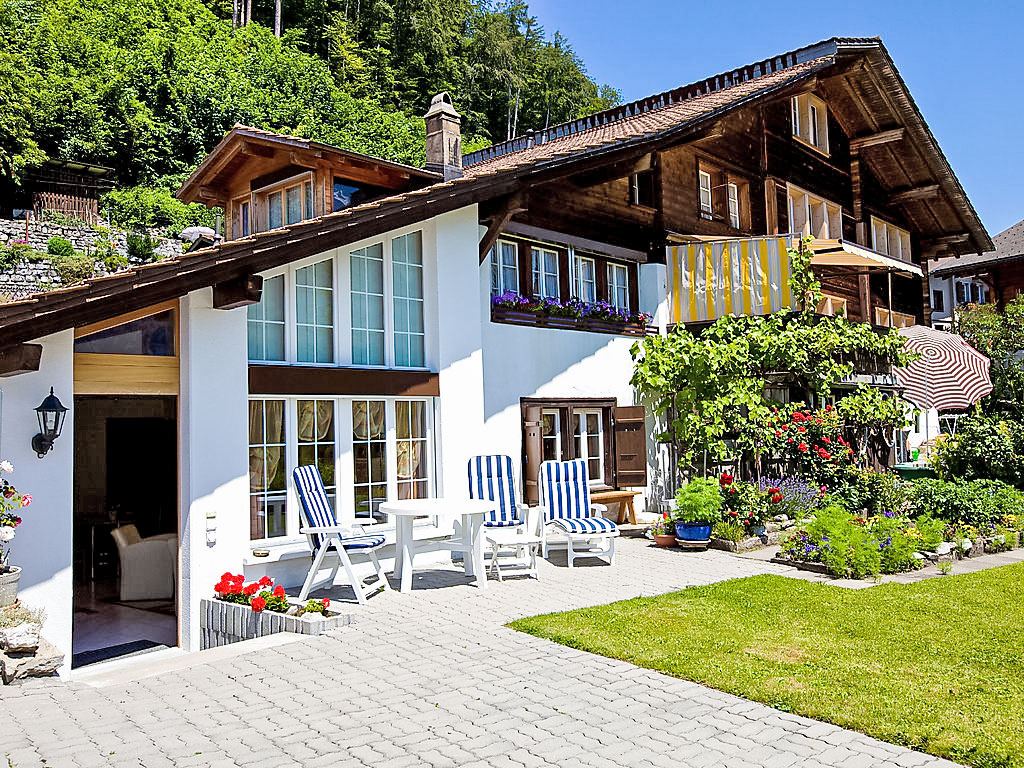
pixel 326 601
pixel 265 581
pixel 801 429
pixel 802 447
pixel 278 591
pixel 778 433
pixel 258 604
pixel 826 441
pixel 725 479
pixel 791 440
pixel 251 589
pixel 226 577
pixel 828 408
pixel 733 513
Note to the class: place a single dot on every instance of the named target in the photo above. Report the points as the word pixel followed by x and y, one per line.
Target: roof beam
pixel 23 358
pixel 876 139
pixel 955 239
pixel 238 292
pixel 923 192
pixel 259 150
pixel 513 204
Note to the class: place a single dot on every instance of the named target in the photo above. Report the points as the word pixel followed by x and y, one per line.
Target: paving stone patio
pixel 433 678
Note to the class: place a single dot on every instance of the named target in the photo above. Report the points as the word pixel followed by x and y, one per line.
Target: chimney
pixel 444 137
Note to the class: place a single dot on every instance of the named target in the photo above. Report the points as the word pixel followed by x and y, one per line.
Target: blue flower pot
pixel 693 531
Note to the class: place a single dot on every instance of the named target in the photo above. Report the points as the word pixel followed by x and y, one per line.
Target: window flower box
pixel 223 623
pixel 572 314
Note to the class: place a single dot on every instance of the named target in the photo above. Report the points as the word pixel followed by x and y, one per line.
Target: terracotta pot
pixel 9 586
pixel 664 540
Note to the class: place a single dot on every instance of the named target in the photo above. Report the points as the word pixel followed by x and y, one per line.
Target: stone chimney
pixel 444 137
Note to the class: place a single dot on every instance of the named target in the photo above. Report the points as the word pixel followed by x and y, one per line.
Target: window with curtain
pixel 588 438
pixel 545 273
pixel 618 286
pixel 412 449
pixel 504 267
pixel 407 272
pixel 266 322
pixel 275 217
pixel 314 312
pixel 267 469
pixel 369 450
pixel 316 441
pixel 584 278
pixel 367 275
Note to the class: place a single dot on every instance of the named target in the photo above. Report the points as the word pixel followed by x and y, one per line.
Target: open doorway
pixel 126 526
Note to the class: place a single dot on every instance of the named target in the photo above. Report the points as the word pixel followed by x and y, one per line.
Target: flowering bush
pixel 573 307
pixel 317 606
pixel 259 595
pixel 744 503
pixel 10 502
pixel 663 526
pixel 810 443
pixel 791 496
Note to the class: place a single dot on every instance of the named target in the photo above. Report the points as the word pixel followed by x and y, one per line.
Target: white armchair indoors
pixel 148 564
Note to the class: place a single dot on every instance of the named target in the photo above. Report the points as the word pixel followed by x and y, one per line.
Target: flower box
pixel 517 317
pixel 223 623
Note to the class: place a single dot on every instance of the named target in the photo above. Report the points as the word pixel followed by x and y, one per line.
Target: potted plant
pixel 698 506
pixel 10 502
pixel 663 531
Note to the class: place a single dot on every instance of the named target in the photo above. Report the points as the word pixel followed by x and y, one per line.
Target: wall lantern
pixel 51 419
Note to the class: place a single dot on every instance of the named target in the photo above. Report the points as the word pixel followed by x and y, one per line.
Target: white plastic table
pixel 471 543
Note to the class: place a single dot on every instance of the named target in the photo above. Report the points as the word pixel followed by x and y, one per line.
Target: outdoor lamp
pixel 51 419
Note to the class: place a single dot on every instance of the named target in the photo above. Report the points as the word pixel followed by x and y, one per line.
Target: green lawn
pixel 937 665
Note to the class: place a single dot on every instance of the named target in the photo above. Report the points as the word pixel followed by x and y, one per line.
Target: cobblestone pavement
pixel 434 678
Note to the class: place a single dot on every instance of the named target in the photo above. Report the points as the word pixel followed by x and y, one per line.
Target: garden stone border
pixel 223 623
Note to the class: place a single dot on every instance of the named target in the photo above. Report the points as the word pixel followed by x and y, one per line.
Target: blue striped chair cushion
pixel 492 478
pixel 595 525
pixel 566 489
pixel 315 504
pixel 362 542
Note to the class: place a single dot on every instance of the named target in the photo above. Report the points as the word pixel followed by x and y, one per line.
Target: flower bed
pixel 571 314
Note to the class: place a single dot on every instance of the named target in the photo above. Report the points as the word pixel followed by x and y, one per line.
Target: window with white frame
pixel 831 305
pixel 889 239
pixel 734 205
pixel 370 459
pixel 545 272
pixel 266 322
pixel 290 205
pixel 412 449
pixel 813 216
pixel 551 435
pixel 618 286
pixel 704 191
pixel 810 120
pixel 268 469
pixel 315 435
pixel 407 273
pixel 504 267
pixel 588 437
pixel 367 279
pixel 584 273
pixel 314 313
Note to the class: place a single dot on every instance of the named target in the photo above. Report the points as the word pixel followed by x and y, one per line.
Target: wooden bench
pixel 623 498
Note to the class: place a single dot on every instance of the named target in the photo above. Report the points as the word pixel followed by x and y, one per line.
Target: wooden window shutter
pixel 630 446
pixel 533 450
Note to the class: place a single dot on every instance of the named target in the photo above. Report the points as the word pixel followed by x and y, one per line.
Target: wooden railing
pixel 514 317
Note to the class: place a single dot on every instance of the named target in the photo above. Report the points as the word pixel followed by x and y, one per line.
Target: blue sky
pixel 961 62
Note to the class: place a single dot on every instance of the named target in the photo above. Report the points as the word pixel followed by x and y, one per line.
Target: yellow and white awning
pixel 843 253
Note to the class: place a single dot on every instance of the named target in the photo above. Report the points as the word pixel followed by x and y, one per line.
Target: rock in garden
pixel 944 548
pixel 21 638
pixel 781 518
pixel 43 663
pixel 918 556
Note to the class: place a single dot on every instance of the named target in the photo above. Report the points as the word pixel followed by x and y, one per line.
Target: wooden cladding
pixel 314 380
pixel 23 358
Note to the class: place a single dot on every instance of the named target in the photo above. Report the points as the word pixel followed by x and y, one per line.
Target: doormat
pixel 133 648
pixel 164 607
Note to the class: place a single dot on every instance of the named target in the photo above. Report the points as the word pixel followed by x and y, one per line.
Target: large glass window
pixel 585 278
pixel 267 469
pixel 588 438
pixel 618 286
pixel 314 313
pixel 545 273
pixel 504 267
pixel 369 449
pixel 412 449
pixel 153 335
pixel 266 322
pixel 316 439
pixel 367 272
pixel 407 270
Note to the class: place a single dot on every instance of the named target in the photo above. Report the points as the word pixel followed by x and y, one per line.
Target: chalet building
pixel 979 278
pixel 368 317
pixel 68 188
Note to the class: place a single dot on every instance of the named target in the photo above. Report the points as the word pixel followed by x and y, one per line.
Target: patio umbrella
pixel 950 373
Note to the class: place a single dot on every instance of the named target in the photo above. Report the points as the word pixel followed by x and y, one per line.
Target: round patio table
pixel 470 543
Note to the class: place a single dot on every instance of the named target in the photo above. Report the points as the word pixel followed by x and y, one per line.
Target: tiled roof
pixel 1009 245
pixel 565 141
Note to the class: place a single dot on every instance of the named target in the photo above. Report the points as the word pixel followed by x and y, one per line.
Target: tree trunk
pixel 248 13
pixel 277 18
pixel 234 14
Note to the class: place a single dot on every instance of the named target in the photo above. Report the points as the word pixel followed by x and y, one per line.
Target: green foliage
pixel 141 247
pixel 743 503
pixel 1000 336
pixel 59 246
pixel 874 492
pixel 699 501
pixel 978 503
pixel 984 447
pixel 137 207
pixel 74 268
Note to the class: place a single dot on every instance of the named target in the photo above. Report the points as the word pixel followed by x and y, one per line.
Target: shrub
pixel 155 206
pixel 699 501
pixel 839 541
pixel 729 531
pixel 745 503
pixel 73 268
pixel 977 503
pixel 141 247
pixel 59 246
pixel 15 252
pixel 985 448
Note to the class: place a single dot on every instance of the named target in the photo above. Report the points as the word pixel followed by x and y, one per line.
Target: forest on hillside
pixel 147 87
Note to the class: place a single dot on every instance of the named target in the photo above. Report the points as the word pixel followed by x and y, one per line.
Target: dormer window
pixel 810 121
pixel 289 204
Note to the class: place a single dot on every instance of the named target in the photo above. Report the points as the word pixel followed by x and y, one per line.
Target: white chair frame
pixel 334 535
pixel 556 538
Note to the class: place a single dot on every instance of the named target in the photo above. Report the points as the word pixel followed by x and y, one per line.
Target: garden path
pixel 433 678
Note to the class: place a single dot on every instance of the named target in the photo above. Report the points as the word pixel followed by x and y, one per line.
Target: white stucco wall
pixel 214 433
pixel 43 543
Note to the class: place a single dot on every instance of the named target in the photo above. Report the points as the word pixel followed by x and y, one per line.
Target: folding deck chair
pixel 570 515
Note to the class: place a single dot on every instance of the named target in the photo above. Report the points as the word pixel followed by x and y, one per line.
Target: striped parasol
pixel 949 374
